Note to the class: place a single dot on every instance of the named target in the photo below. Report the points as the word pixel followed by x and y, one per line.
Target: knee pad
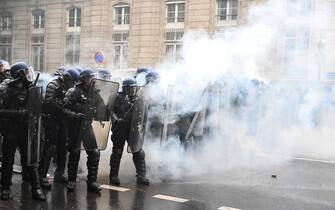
pixel 139 154
pixel 95 153
pixel 117 151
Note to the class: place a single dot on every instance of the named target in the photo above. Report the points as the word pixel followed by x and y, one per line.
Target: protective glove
pixel 80 116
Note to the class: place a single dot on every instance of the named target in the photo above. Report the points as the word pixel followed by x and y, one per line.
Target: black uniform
pixel 121 119
pixel 79 120
pixel 14 96
pixel 3 75
pixel 54 130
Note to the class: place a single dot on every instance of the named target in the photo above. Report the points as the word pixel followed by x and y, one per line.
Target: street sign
pixel 99 57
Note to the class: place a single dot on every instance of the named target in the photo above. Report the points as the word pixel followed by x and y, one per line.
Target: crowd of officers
pixel 63 111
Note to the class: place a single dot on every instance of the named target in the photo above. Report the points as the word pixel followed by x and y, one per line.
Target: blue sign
pixel 99 57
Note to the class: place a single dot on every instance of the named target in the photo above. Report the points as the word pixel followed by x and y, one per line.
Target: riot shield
pixel 34 108
pixel 197 125
pixel 137 126
pixel 95 127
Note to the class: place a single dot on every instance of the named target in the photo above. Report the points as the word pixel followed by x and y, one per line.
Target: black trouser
pixel 93 155
pixel 119 137
pixel 16 137
pixel 55 144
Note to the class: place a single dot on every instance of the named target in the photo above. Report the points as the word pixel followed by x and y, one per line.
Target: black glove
pixel 80 116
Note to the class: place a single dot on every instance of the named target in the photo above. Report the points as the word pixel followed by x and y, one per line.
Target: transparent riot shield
pixel 137 126
pixel 167 114
pixel 197 125
pixel 34 108
pixel 96 125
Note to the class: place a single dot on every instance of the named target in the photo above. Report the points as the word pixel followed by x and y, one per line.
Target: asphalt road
pixel 297 184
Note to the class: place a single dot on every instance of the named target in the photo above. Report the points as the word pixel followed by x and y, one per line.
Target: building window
pixel 227 9
pixel 6 48
pixel 74 17
pixel 120 50
pixel 6 23
pixel 122 15
pixel 175 12
pixel 39 20
pixel 173 44
pixel 37 46
pixel 299 7
pixel 72 49
pixel 296 48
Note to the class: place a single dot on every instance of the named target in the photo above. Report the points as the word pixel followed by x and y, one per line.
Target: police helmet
pixel 21 68
pixel 129 83
pixel 5 65
pixel 72 74
pixel 152 76
pixel 87 73
pixel 79 69
pixel 140 70
pixel 104 74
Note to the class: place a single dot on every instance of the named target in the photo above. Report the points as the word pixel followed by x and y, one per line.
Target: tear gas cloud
pixel 248 123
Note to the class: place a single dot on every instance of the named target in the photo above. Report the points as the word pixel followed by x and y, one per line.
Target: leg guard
pixel 139 162
pixel 73 165
pixel 114 162
pixel 61 150
pixel 8 151
pixel 36 191
pixel 34 177
pixel 48 153
pixel 93 158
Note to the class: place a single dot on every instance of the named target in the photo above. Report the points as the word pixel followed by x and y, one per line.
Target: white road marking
pixel 314 160
pixel 110 187
pixel 227 208
pixel 170 198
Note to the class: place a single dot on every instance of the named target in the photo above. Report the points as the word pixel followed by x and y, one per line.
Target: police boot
pixel 114 166
pixel 60 176
pixel 71 186
pixel 38 194
pixel 45 184
pixel 93 158
pixel 25 174
pixel 36 190
pixel 72 170
pixel 139 162
pixel 46 159
pixel 5 194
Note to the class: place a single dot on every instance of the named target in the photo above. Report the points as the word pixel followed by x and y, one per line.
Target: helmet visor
pixel 30 74
pixel 130 90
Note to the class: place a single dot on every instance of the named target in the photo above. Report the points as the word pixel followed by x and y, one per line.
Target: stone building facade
pixel 130 33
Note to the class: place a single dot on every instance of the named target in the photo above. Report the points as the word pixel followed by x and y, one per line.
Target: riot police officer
pixel 141 72
pixel 4 74
pixel 152 77
pixel 122 120
pixel 14 99
pixel 104 74
pixel 4 70
pixel 79 122
pixel 54 129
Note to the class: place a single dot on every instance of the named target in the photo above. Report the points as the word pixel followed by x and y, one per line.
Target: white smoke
pixel 251 123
